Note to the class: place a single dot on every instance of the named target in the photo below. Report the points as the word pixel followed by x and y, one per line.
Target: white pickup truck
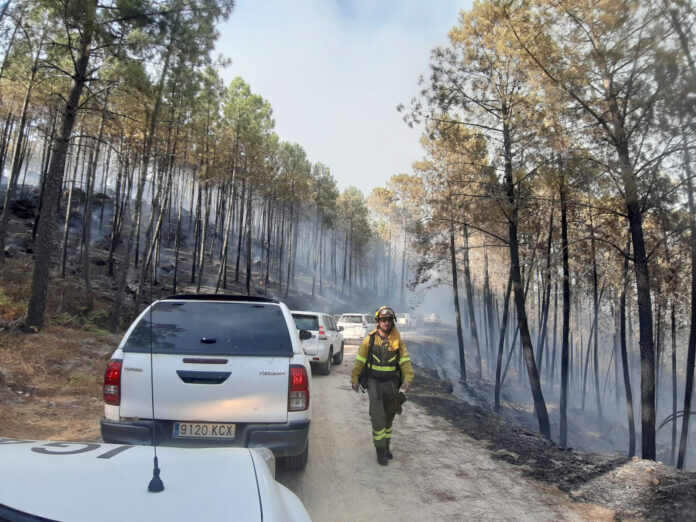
pixel 211 370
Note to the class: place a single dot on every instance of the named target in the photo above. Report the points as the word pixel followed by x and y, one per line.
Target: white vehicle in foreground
pixel 356 326
pixel 325 347
pixel 211 370
pixel 84 482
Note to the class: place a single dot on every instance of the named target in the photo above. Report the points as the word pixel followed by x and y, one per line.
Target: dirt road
pixel 437 473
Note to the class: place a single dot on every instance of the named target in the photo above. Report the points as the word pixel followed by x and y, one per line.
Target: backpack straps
pixel 369 350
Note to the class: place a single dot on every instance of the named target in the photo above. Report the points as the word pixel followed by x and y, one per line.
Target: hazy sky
pixel 334 72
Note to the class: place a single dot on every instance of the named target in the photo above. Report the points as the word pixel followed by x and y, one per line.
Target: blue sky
pixel 334 72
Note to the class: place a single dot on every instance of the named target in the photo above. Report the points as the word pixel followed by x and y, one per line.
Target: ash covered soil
pixel 635 489
pixel 55 393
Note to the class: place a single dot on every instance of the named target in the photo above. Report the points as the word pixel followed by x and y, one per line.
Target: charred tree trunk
pixel 130 235
pixel 249 216
pixel 457 314
pixel 525 337
pixel 501 344
pixel 691 351
pixel 17 157
pixel 44 246
pixel 672 453
pixel 470 305
pixel 565 348
pixel 624 359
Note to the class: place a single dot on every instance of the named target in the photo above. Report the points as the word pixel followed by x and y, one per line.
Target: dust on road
pixel 437 473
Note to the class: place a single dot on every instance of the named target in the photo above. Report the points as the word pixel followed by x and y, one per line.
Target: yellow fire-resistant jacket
pixel 392 344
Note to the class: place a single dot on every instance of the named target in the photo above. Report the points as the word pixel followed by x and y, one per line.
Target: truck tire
pixel 338 358
pixel 325 368
pixel 297 461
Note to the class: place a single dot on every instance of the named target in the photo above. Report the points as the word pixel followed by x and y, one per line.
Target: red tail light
pixel 298 393
pixel 322 334
pixel 112 382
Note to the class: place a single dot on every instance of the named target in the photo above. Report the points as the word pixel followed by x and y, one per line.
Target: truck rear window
pixel 306 322
pixel 212 328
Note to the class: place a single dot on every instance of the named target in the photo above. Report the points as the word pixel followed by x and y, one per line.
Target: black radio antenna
pixel 156 485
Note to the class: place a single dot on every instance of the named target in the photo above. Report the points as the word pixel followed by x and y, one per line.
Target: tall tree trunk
pixel 87 227
pixel 551 368
pixel 137 205
pixel 316 249
pixel 546 300
pixel 691 351
pixel 222 270
pixel 624 358
pixel 281 237
pixel 501 343
pixel 595 302
pixel 242 200
pixel 673 450
pixel 645 322
pixel 68 210
pixel 177 243
pixel 565 348
pixel 17 157
pixel 204 233
pixel 525 337
pixel 198 225
pixel 249 216
pixel 457 314
pixel 470 305
pixel 44 245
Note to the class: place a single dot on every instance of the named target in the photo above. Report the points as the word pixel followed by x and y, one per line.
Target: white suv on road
pixel 405 321
pixel 356 326
pixel 211 370
pixel 325 347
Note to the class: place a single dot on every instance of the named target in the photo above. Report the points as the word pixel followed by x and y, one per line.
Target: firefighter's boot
pixel 382 458
pixel 389 453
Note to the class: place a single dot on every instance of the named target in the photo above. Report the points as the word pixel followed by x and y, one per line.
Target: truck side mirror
pixel 305 334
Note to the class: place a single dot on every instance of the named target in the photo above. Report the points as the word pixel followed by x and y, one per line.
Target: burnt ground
pixel 50 389
pixel 635 489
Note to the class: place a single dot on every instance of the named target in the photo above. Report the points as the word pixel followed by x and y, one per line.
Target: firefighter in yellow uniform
pixel 388 363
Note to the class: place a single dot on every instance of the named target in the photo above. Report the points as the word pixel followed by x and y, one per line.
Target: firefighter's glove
pixel 400 399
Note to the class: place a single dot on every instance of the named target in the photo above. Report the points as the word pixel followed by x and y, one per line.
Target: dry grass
pixel 50 382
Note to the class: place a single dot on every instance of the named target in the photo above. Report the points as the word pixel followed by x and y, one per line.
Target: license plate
pixel 203 430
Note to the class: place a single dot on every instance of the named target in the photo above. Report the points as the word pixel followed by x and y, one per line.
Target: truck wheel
pixel 338 358
pixel 325 368
pixel 297 461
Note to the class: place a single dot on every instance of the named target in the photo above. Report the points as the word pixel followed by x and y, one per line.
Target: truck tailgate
pixel 186 388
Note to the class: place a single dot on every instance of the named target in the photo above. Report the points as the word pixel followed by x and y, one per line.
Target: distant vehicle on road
pixel 356 326
pixel 325 347
pixel 405 321
pixel 83 482
pixel 224 370
pixel 432 320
